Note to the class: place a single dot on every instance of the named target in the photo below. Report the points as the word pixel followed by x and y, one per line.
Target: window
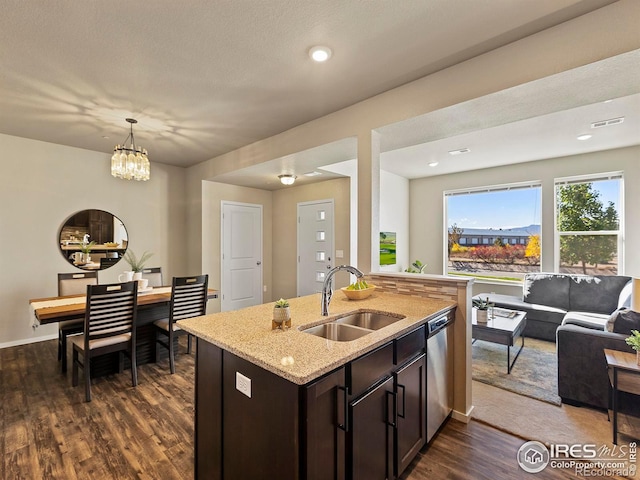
pixel 588 224
pixel 503 225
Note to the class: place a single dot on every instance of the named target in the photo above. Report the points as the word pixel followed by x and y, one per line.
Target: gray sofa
pixel 584 315
pixel 548 298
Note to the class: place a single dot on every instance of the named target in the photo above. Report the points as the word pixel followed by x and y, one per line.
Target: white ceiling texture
pixel 204 78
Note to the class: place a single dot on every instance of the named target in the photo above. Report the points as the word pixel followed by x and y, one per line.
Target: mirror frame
pixel 92 221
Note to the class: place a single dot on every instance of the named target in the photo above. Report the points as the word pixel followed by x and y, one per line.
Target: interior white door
pixel 315 245
pixel 241 284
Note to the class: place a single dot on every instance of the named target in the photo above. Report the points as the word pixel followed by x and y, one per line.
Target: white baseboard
pixel 26 341
pixel 462 417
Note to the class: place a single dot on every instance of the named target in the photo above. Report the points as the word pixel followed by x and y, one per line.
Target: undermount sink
pixel 353 326
pixel 337 332
pixel 369 320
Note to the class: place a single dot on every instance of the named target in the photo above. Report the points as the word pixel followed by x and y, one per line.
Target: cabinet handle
pixel 344 426
pixel 394 404
pixel 401 415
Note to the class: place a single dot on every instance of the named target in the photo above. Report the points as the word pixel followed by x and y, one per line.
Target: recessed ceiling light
pixel 460 151
pixel 312 174
pixel 320 53
pixel 586 136
pixel 433 164
pixel 608 101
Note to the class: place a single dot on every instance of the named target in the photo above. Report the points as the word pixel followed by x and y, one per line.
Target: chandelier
pixel 130 163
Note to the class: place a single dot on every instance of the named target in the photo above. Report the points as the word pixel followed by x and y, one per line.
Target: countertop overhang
pixel 301 357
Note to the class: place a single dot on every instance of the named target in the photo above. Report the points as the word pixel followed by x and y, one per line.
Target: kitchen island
pixel 291 405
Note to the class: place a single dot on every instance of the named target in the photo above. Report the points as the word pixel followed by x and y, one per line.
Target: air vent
pixel 607 123
pixel 460 151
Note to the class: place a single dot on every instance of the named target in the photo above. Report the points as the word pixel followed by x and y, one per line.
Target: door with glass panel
pixel 315 244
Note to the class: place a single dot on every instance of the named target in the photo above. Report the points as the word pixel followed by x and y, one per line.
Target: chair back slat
pixel 75 283
pixel 111 310
pixel 188 297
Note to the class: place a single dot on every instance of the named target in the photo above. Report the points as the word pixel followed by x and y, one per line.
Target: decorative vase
pixel 282 317
pixel 481 315
pixel 137 276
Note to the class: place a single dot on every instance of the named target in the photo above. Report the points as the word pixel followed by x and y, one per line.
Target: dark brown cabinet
pixel 371 435
pixel 411 426
pixel 325 403
pixel 363 421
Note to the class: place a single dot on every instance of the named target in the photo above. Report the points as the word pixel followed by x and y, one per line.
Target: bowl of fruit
pixel 358 290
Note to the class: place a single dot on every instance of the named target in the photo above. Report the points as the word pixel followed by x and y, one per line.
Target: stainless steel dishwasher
pixel 439 374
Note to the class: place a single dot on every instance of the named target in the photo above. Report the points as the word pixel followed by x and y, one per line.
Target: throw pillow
pixel 626 321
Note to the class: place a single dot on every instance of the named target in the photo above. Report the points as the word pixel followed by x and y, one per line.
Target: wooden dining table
pixel 152 305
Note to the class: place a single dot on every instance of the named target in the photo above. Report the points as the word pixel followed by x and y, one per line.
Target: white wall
pixel 40 186
pixel 428 226
pixel 213 193
pixel 601 34
pixel 394 216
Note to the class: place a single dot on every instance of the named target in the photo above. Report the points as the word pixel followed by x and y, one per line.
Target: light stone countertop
pixel 301 357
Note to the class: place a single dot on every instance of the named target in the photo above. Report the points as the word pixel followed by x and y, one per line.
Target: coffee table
pixel 503 328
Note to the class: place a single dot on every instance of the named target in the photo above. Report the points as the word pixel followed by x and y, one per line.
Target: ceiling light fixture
pixel 320 54
pixel 433 164
pixel 287 179
pixel 130 163
pixel 460 151
pixel 585 136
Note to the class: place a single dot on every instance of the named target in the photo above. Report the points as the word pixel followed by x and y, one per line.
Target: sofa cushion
pixel 625 321
pixel 547 289
pixel 598 293
pixel 596 321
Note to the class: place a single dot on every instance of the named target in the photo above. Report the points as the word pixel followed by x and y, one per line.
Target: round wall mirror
pixel 93 239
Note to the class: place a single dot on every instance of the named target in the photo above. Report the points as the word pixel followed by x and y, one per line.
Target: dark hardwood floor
pixel 49 432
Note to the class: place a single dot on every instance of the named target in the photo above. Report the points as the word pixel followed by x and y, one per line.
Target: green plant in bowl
pixel 137 264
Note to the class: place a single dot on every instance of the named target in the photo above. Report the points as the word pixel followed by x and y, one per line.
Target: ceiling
pixel 204 78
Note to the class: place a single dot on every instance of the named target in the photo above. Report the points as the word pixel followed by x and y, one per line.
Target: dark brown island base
pixel 293 405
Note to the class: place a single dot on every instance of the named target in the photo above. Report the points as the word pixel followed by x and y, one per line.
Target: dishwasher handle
pixel 434 326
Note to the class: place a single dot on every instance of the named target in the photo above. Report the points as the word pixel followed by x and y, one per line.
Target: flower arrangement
pixel 282 303
pixel 137 264
pixel 86 247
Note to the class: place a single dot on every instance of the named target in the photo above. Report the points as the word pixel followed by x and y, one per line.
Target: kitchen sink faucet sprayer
pixel 327 287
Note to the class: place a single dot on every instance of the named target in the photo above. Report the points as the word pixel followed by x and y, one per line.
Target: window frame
pixel 487 189
pixel 590 178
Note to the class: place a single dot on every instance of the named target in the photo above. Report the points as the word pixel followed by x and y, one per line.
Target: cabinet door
pixel 411 431
pixel 326 425
pixel 371 433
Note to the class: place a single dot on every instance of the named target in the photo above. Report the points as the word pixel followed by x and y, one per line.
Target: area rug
pixel 533 375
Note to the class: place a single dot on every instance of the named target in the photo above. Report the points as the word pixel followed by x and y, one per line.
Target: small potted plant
pixel 634 342
pixel 281 314
pixel 85 249
pixel 137 264
pixel 482 307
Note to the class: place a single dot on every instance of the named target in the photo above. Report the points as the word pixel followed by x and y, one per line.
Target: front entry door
pixel 241 255
pixel 315 245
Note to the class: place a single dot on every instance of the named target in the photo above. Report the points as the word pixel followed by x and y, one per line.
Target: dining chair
pixel 154 275
pixel 71 284
pixel 108 262
pixel 188 299
pixel 109 326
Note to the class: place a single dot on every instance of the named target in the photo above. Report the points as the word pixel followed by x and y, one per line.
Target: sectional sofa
pixel 549 297
pixel 579 312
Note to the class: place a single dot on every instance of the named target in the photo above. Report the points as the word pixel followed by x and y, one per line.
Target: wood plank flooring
pixel 49 432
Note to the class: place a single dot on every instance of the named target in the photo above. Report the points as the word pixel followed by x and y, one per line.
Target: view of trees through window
pixel 588 226
pixel 494 233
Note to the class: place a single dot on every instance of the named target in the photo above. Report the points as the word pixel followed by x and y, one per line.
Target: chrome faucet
pixel 327 287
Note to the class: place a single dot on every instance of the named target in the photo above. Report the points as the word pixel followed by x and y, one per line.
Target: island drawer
pixel 409 345
pixel 363 372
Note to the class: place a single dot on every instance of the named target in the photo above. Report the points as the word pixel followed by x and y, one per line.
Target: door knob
pixel 258 262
